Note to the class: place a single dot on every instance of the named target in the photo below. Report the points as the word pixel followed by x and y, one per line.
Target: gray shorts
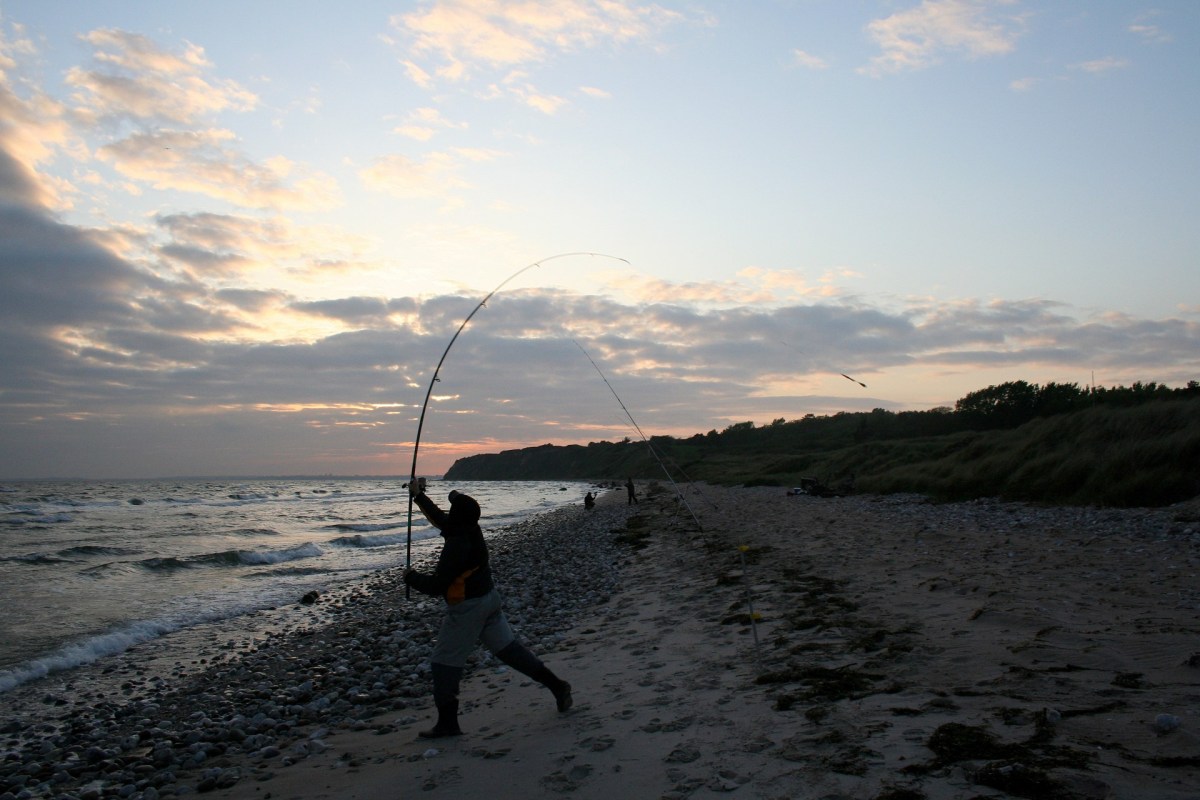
pixel 479 619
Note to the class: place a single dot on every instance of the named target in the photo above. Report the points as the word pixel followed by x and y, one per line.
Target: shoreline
pixel 257 684
pixel 904 650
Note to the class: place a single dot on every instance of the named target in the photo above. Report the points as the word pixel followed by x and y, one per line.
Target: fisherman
pixel 629 487
pixel 589 501
pixel 474 612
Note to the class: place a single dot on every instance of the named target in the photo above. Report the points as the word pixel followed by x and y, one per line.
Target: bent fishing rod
pixel 412 475
pixel 638 428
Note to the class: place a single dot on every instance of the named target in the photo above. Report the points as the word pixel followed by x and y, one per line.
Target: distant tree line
pixel 1017 402
pixel 1004 406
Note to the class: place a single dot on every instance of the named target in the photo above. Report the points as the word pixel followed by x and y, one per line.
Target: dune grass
pixel 1143 456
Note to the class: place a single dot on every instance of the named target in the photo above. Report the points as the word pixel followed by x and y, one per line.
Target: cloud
pixel 135 77
pixel 221 369
pixel 54 275
pixel 33 130
pixel 752 286
pixel 457 41
pixel 921 36
pixel 435 175
pixel 204 162
pixel 545 103
pixel 807 60
pixel 1101 65
pixel 360 311
pixel 1148 31
pixel 146 111
pixel 423 123
pixel 209 240
pixel 466 33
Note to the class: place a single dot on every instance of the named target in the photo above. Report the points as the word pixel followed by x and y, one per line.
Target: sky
pixel 236 238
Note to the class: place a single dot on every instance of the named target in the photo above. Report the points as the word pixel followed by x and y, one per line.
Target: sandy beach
pixel 897 650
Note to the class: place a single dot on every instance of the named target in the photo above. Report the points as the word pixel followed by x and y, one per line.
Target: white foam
pixel 86 652
pixel 256 557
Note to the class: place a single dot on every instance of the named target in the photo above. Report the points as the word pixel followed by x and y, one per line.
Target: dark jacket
pixel 462 570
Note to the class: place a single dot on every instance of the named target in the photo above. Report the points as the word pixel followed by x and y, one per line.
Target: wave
pixel 259 557
pixel 87 651
pixel 34 558
pixel 365 527
pixel 253 532
pixel 96 550
pixel 221 559
pixel 252 495
pixel 358 540
pixel 30 518
pixel 278 572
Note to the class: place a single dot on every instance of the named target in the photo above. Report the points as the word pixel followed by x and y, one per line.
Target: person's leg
pixel 458 636
pixel 497 636
pixel 520 658
pixel 445 698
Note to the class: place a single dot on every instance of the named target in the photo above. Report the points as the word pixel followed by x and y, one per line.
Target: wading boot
pixel 445 699
pixel 517 656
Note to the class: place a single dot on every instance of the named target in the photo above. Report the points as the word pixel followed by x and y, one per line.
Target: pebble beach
pixel 749 644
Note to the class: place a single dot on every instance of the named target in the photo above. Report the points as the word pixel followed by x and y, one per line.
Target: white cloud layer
pixel 129 350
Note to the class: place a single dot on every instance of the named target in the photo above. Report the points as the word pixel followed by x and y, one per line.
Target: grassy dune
pixel 1141 456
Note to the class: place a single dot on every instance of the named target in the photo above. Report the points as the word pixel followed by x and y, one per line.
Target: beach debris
pixel 311 597
pixel 814 488
pixel 1165 723
pixel 432 752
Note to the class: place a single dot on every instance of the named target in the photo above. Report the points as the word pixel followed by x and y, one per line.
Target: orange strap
pixel 458 590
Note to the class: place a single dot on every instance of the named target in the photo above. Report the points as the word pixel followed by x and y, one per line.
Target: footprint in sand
pixel 658 726
pixel 627 713
pixel 598 744
pixel 567 781
pixel 484 753
pixel 445 777
pixel 682 755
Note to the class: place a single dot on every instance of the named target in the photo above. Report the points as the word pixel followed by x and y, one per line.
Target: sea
pixel 90 569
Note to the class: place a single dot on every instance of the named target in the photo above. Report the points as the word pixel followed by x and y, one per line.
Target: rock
pixel 1165 723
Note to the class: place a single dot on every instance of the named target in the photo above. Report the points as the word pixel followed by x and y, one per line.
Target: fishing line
pixel 844 375
pixel 691 482
pixel 638 428
pixel 412 475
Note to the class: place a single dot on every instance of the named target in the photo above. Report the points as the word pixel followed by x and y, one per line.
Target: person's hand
pixel 416 486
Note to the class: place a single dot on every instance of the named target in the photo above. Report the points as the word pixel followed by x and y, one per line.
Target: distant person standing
pixel 473 610
pixel 629 487
pixel 589 501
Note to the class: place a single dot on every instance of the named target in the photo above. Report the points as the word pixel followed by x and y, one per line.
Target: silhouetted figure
pixel 473 610
pixel 632 492
pixel 589 502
